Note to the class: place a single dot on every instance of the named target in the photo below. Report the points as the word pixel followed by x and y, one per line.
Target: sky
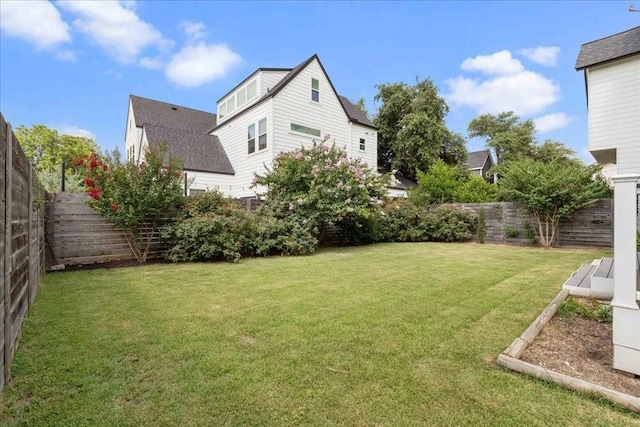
pixel 71 65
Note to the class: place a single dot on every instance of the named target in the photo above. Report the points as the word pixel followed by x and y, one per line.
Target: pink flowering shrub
pixel 323 186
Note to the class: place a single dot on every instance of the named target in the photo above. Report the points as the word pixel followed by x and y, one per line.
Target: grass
pixel 389 335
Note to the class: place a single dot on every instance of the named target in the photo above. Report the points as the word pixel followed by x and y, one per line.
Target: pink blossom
pixel 291 207
pixel 361 186
pixel 300 202
pixel 348 201
pixel 340 184
pixel 349 209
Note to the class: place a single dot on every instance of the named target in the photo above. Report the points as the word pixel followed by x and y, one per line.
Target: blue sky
pixel 72 65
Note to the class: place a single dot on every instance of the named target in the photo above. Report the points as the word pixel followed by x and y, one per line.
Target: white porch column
pixel 626 313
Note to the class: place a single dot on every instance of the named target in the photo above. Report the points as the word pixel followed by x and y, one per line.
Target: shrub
pixel 210 227
pixel 450 225
pixel 511 232
pixel 289 235
pixel 322 185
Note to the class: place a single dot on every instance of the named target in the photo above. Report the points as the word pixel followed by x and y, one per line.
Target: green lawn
pixel 385 335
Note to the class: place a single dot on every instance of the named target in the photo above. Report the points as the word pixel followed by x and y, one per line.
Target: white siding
pixel 132 135
pixel 370 136
pixel 293 104
pixel 210 181
pixel 614 111
pixel 269 79
pixel 233 137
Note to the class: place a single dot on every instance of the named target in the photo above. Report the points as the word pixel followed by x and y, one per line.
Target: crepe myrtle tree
pixel 136 198
pixel 551 191
pixel 321 185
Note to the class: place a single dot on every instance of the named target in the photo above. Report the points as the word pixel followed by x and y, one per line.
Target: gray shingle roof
pixel 477 159
pixel 609 48
pixel 354 113
pixel 149 111
pixel 399 182
pixel 199 151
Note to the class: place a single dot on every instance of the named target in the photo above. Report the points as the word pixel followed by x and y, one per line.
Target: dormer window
pixel 222 110
pixel 315 90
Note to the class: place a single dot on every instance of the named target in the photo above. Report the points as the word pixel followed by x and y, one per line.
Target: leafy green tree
pixel 449 184
pixel 322 186
pixel 551 191
pixel 137 198
pixel 553 150
pixel 505 134
pixel 361 105
pixel 47 149
pixel 412 133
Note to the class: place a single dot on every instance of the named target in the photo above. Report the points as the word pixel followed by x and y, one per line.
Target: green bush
pixel 569 308
pixel 511 232
pixel 402 221
pixel 482 226
pixel 287 234
pixel 210 227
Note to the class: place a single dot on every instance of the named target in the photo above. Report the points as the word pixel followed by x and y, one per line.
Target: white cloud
pixel 545 55
pixel 37 22
pixel 551 122
pixel 116 28
pixel 524 93
pixel 201 63
pixel 151 63
pixel 66 55
pixel 74 131
pixel 194 30
pixel 498 63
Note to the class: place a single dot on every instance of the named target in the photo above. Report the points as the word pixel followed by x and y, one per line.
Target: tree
pixel 451 184
pixel 412 133
pixel 553 150
pixel 136 197
pixel 551 191
pixel 509 138
pixel 46 149
pixel 322 186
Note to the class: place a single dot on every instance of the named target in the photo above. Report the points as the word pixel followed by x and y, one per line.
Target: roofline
pixel 205 171
pixel 618 58
pixel 609 36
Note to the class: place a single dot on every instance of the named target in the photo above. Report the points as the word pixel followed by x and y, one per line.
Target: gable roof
pixel 199 151
pixel 284 82
pixel 609 48
pixel 150 111
pixel 354 113
pixel 477 159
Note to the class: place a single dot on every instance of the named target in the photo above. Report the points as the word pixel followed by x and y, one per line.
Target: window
pixel 304 129
pixel 222 110
pixel 242 97
pixel 262 134
pixel 251 138
pixel 315 90
pixel 252 89
pixel 231 104
pixel 362 144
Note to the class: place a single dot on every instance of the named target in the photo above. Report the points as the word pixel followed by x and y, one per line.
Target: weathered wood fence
pixel 22 244
pixel 78 235
pixel 506 223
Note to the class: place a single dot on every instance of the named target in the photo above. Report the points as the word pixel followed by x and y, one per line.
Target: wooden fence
pixel 22 244
pixel 78 235
pixel 506 223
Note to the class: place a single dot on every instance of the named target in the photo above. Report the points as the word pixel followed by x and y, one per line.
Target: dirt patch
pixel 582 348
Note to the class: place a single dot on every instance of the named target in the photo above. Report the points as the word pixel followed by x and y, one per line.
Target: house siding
pixel 132 135
pixel 209 181
pixel 269 79
pixel 614 111
pixel 233 138
pixel 293 104
pixel 370 154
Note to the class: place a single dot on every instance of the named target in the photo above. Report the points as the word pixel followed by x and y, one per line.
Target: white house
pixel 272 110
pixel 612 77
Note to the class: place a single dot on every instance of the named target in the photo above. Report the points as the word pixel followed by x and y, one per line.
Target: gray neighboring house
pixel 479 163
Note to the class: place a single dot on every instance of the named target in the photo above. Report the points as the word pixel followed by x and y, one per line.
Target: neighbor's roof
pixel 199 151
pixel 286 80
pixel 607 49
pixel 477 159
pixel 149 111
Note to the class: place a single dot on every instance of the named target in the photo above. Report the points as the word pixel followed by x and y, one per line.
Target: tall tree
pixel 47 149
pixel 361 105
pixel 412 133
pixel 510 138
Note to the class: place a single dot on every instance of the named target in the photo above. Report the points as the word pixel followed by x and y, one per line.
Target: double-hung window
pixel 261 136
pixel 362 144
pixel 315 90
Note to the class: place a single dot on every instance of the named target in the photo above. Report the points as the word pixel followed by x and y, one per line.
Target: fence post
pixel 8 255
pixel 63 177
